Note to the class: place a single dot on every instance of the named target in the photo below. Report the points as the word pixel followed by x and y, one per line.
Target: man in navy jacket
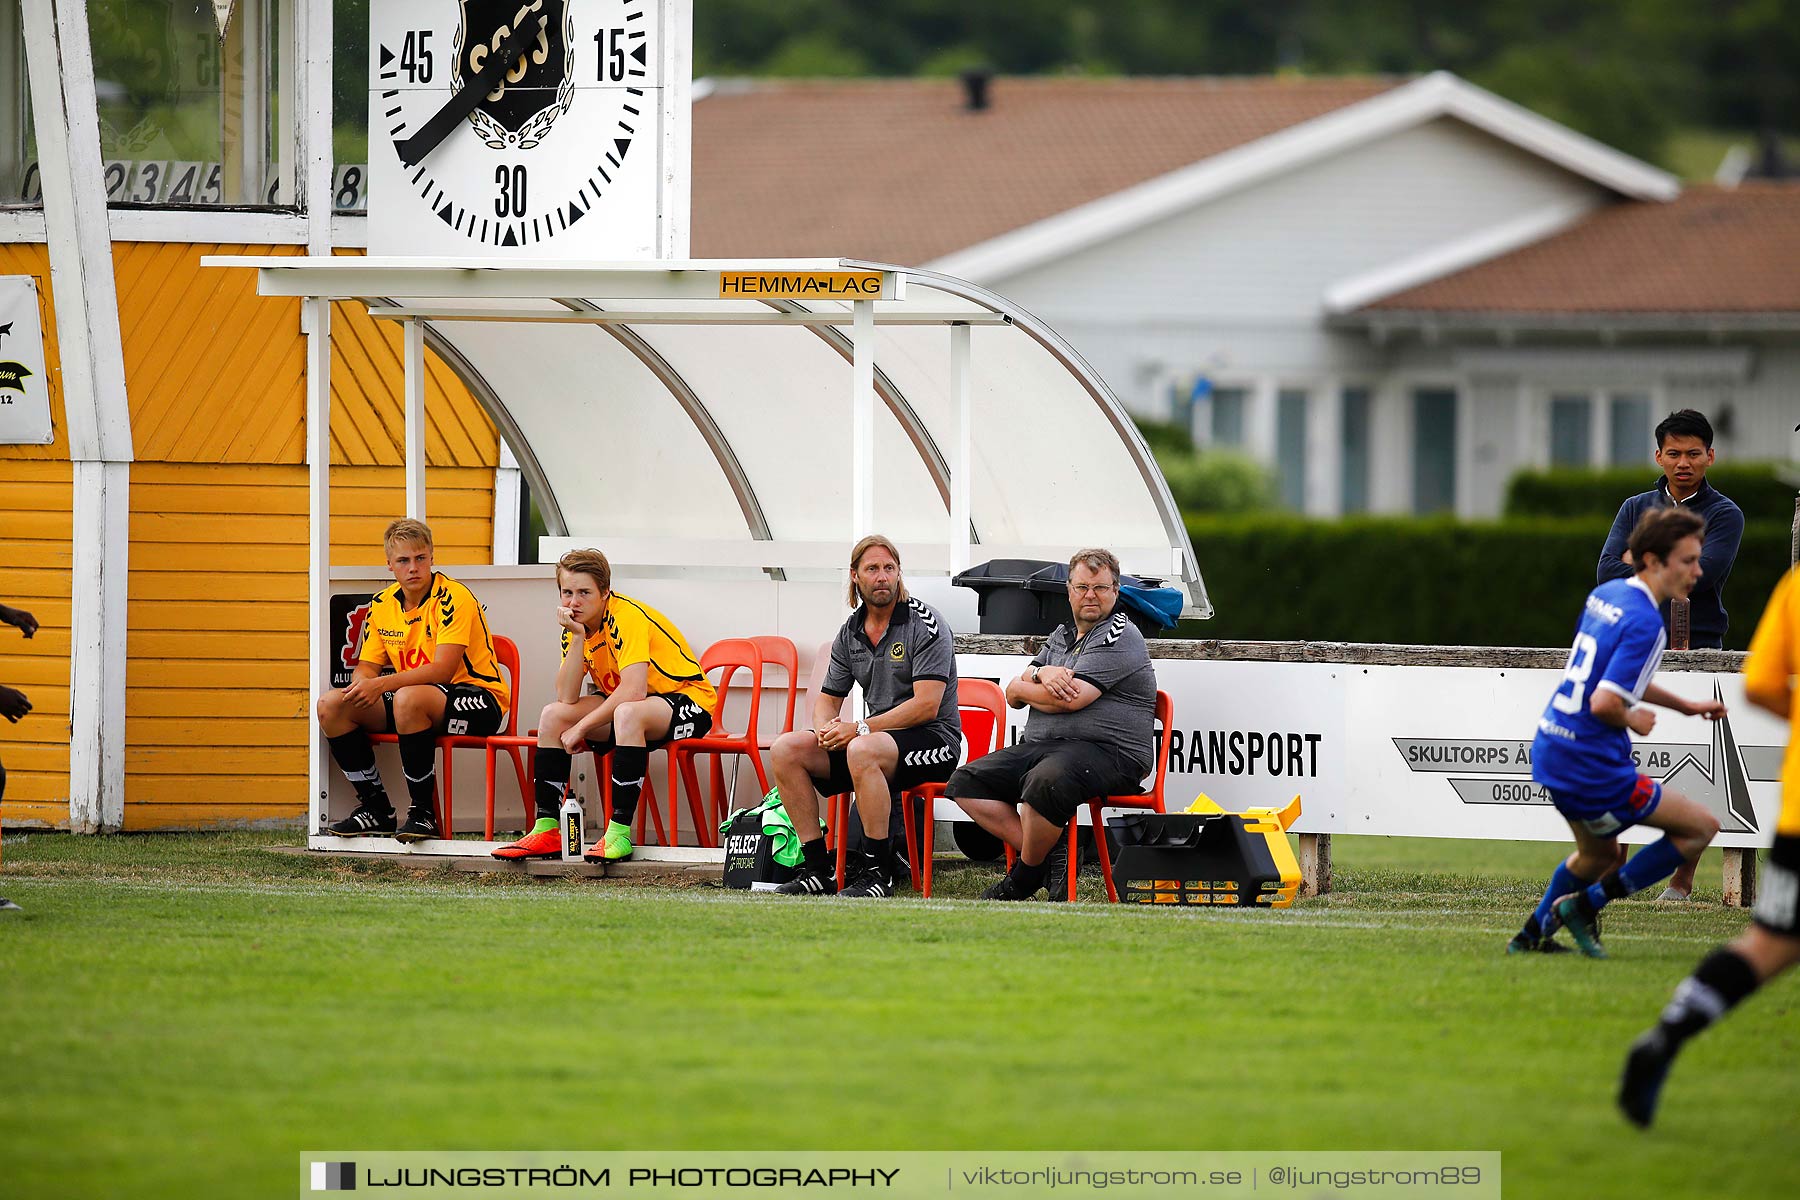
pixel 1684 451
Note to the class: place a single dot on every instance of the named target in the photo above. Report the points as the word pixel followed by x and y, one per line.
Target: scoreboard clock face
pixel 525 129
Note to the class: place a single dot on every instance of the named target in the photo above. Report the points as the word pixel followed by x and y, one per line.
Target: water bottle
pixel 571 830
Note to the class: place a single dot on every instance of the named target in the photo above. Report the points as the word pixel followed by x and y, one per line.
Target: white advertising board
pixel 1428 751
pixel 24 388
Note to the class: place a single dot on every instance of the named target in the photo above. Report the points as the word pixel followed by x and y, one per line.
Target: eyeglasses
pixel 1092 589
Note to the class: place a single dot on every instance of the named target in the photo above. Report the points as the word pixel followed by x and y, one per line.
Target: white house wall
pixel 1233 289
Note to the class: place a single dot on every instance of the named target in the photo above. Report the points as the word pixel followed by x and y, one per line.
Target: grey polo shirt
pixel 1114 658
pixel 917 646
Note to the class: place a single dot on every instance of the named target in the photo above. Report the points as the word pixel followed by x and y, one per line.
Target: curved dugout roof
pixel 650 427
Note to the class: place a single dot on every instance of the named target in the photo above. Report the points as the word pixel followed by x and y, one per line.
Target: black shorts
pixel 1054 777
pixel 468 711
pixel 925 757
pixel 688 719
pixel 1778 892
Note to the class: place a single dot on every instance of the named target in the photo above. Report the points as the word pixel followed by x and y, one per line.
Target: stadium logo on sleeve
pixel 1499 771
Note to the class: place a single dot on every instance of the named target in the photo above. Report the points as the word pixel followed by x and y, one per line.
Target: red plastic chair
pixel 982 706
pixel 781 652
pixel 728 657
pixel 1150 801
pixel 506 653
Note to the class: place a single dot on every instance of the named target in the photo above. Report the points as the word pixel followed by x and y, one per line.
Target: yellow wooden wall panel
pixel 34 575
pixel 224 547
pixel 216 373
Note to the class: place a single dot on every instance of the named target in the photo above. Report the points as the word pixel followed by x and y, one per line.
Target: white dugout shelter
pixel 744 422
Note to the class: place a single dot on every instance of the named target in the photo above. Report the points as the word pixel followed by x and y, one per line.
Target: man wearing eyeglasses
pixel 1092 695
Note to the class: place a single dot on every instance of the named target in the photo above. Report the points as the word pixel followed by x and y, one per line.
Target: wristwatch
pixel 862 728
pixel 1034 672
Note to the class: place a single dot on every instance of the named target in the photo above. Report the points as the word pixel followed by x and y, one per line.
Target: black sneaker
pixel 365 822
pixel 1056 872
pixel 421 825
pixel 1640 1087
pixel 868 885
pixel 1008 888
pixel 1524 943
pixel 808 883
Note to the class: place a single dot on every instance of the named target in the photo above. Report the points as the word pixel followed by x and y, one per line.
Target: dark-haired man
pixel 1684 450
pixel 1582 752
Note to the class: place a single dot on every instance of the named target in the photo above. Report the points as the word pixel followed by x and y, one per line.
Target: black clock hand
pixel 474 87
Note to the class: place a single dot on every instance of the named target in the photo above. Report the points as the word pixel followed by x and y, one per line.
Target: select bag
pixel 762 849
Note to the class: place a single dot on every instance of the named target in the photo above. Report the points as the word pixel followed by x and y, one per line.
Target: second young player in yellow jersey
pixel 650 691
pixel 430 631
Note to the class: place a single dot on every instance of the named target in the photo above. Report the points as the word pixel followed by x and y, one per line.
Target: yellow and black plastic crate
pixel 1240 860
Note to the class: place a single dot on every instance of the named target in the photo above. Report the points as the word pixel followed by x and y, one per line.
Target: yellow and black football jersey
pixel 632 633
pixel 1774 661
pixel 406 638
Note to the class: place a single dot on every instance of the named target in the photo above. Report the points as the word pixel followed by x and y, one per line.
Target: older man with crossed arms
pixel 1092 695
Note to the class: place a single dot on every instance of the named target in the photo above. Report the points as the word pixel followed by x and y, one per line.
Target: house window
pixel 1571 426
pixel 1290 446
pixel 1434 450
pixel 1228 404
pixel 18 145
pixel 1631 444
pixel 1354 497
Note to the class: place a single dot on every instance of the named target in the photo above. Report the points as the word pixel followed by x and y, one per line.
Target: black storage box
pixel 1202 858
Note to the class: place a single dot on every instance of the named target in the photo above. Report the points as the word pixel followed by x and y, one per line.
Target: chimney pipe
pixel 975 83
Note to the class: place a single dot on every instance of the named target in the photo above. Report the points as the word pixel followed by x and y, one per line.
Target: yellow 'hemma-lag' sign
pixel 800 285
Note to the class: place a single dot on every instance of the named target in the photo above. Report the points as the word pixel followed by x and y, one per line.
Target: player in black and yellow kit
pixel 1772 942
pixel 651 691
pixel 430 631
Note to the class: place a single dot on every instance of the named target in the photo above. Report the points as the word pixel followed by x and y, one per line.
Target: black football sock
pixel 418 758
pixel 817 858
pixel 878 855
pixel 354 754
pixel 1722 979
pixel 627 781
pixel 552 773
pixel 1029 877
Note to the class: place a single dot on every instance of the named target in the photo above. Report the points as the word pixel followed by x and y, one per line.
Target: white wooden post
pixel 312 151
pixel 961 424
pixel 414 448
pixel 506 508
pixel 862 418
pixel 60 63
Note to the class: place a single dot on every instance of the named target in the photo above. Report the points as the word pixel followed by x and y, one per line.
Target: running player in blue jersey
pixel 1582 752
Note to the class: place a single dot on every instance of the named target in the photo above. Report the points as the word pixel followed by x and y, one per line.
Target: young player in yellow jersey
pixel 430 630
pixel 1772 942
pixel 651 691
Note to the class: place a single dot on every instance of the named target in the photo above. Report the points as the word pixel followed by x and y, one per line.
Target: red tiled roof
pixel 900 171
pixel 1712 250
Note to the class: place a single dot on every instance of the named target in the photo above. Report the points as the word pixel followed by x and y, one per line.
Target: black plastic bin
pixel 1005 601
pixel 1031 596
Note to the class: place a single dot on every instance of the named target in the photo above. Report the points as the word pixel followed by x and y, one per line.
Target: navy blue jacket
pixel 1724 530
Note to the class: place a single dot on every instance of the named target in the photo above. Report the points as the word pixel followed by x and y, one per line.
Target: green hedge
pixel 1566 492
pixel 1516 582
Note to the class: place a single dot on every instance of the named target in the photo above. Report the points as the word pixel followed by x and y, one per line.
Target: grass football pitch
pixel 182 1015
